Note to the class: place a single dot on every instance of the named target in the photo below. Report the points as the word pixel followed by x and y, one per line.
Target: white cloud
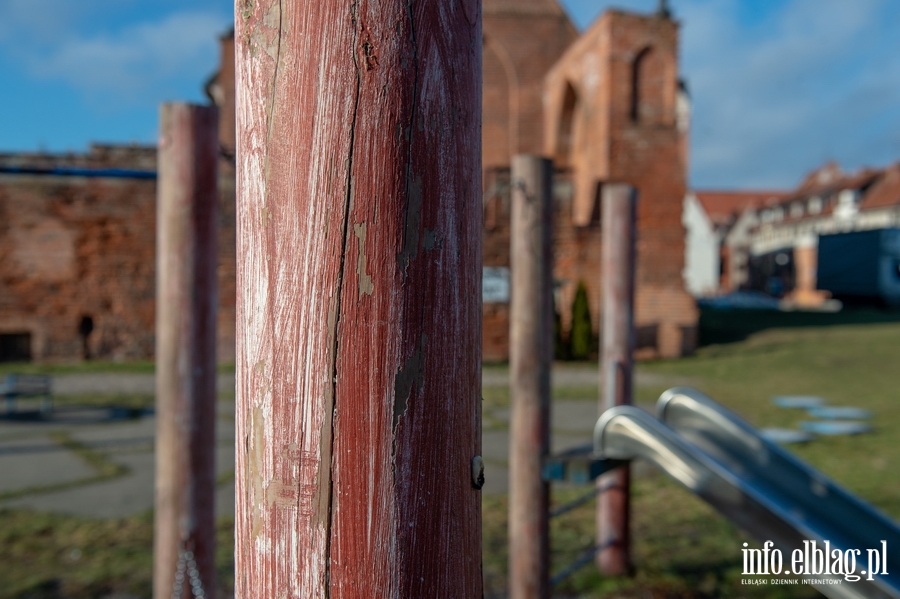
pixel 780 87
pixel 39 20
pixel 777 98
pixel 137 59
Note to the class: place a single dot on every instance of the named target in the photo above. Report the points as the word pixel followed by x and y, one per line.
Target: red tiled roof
pixel 885 191
pixel 822 177
pixel 721 206
pixel 829 178
pixel 880 189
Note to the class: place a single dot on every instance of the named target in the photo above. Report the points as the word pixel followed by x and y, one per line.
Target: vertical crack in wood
pixel 335 325
pixel 407 379
pixel 364 280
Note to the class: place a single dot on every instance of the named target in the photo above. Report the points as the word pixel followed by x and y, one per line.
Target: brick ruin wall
pixel 75 248
pixel 520 46
pixel 622 128
pixel 577 259
pixel 665 316
pixel 648 150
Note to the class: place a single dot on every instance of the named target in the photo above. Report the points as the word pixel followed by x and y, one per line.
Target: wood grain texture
pixel 186 300
pixel 617 363
pixel 359 298
pixel 531 355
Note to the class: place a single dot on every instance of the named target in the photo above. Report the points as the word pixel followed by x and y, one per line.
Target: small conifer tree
pixel 581 339
pixel 560 348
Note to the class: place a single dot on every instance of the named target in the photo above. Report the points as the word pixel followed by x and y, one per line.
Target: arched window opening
pixel 636 68
pixel 648 80
pixel 15 347
pixel 567 128
pixel 500 104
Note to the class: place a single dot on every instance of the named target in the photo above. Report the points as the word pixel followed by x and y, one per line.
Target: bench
pixel 14 386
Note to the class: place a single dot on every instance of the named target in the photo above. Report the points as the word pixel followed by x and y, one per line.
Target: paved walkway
pixel 100 463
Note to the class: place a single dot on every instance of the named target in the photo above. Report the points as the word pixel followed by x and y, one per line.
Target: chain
pixel 187 564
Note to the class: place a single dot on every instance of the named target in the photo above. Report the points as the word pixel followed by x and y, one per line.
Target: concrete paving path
pixel 43 462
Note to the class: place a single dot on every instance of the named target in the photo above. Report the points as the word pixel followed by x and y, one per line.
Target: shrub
pixel 581 338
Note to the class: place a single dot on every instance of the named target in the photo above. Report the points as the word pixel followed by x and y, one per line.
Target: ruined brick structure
pixel 612 112
pixel 522 41
pixel 78 247
pixel 77 255
pixel 604 105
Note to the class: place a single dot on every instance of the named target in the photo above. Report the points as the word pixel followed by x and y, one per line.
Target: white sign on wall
pixel 495 284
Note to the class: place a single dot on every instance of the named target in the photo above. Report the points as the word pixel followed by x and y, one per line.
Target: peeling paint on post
pixel 187 225
pixel 531 354
pixel 359 299
pixel 619 205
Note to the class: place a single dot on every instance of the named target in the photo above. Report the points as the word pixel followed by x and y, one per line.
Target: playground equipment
pixel 530 357
pixel 756 484
pixel 186 287
pixel 531 317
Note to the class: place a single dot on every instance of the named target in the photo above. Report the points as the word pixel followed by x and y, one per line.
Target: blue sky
pixel 778 86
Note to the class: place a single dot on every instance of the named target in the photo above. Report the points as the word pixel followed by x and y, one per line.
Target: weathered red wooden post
pixel 530 357
pixel 619 243
pixel 359 299
pixel 184 541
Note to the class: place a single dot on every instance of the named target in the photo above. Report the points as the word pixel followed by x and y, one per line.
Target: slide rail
pixel 762 488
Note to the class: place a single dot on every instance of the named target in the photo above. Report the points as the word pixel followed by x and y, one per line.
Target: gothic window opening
pixel 567 128
pixel 648 79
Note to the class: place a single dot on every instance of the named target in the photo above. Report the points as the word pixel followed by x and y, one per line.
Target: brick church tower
pixel 604 105
pixel 615 113
pixel 522 40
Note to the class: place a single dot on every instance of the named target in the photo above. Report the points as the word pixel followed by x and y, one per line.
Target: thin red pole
pixel 531 355
pixel 187 225
pixel 616 363
pixel 359 299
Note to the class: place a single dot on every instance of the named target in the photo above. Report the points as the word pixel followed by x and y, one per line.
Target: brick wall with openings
pixel 602 104
pixel 78 253
pixel 78 257
pixel 611 117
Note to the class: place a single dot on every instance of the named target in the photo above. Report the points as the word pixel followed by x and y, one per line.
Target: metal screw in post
pixel 477 472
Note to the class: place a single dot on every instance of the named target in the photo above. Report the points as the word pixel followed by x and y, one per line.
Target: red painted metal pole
pixel 359 299
pixel 186 301
pixel 616 363
pixel 531 355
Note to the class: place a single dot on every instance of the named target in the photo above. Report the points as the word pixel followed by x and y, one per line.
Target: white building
pixel 717 226
pixel 729 232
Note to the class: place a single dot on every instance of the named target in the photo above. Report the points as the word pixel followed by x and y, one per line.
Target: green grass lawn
pixel 849 366
pixel 81 367
pixel 51 556
pixel 681 547
pixel 90 366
